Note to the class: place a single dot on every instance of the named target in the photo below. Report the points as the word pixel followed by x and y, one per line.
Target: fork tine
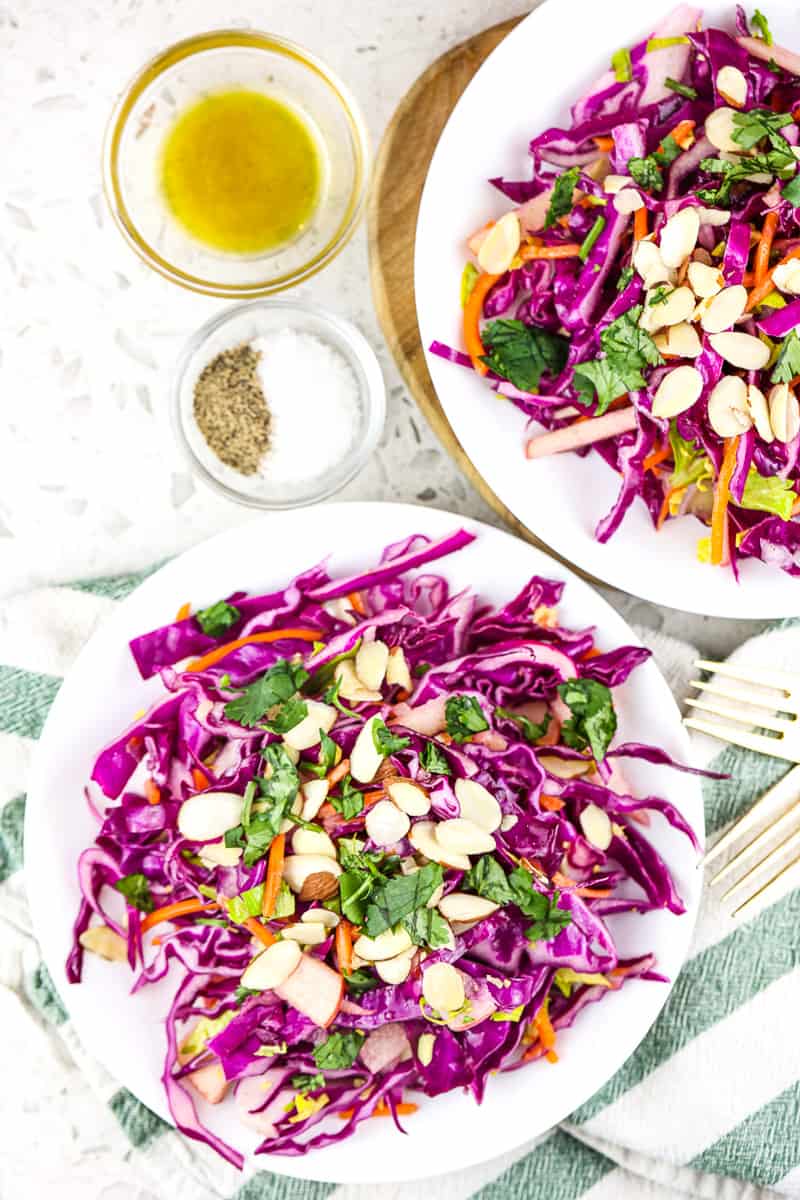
pixel 741 886
pixel 740 737
pixel 776 724
pixel 768 887
pixel 761 839
pixel 785 789
pixel 740 695
pixel 780 681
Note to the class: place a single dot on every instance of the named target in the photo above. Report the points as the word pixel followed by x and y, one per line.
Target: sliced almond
pixel 370 664
pixel 351 687
pixel 397 669
pixel 741 350
pixel 312 841
pixel 306 734
pixel 596 825
pixel 460 906
pixel 321 916
pixel 727 407
pixel 615 183
pixel 677 306
pixel 629 200
pixel 500 245
pixel 682 340
pixel 298 868
pixel 725 309
pixel 306 933
pixel 678 391
pixel 757 407
pixel 443 987
pixel 463 837
pixel 435 896
pixel 386 945
pixel 786 277
pixel 784 415
pixel 649 264
pixel 565 768
pixel 365 758
pixel 713 216
pixel 425 1046
pixel 679 236
pixel 422 838
pixel 719 129
pixel 477 804
pixel 508 822
pixel 315 793
pixel 732 86
pixel 105 942
pixel 409 797
pixel 272 966
pixel 220 855
pixel 395 970
pixel 704 280
pixel 209 815
pixel 386 823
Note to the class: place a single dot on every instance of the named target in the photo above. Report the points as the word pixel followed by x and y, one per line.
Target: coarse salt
pixel 313 397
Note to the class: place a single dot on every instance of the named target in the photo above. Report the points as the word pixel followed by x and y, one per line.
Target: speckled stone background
pixel 90 481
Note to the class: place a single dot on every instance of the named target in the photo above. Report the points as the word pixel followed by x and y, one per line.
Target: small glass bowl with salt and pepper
pixel 277 404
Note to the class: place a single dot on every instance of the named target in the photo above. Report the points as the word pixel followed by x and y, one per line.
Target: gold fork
pixel 771 702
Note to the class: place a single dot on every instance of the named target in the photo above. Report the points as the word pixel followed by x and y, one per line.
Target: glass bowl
pixel 172 83
pixel 241 324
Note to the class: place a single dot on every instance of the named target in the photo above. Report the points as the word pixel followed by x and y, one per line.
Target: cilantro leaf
pixel 217 618
pixel 349 802
pixel 593 722
pixel 427 927
pixel 275 686
pixel 791 191
pixel 136 890
pixel 624 337
pixel 548 919
pixel 307 1083
pixel 433 761
pixel 400 897
pixel 361 980
pixel 749 128
pixel 530 731
pixel 628 349
pixel 668 151
pixel 386 742
pixel 682 89
pixel 278 787
pixel 645 172
pixel 242 993
pixel 522 353
pixel 488 879
pixel 338 1051
pixel 326 757
pixel 787 364
pixel 464 717
pixel 761 27
pixel 561 199
pixel 288 715
pixel 624 279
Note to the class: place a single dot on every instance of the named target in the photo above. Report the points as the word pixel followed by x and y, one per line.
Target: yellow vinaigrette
pixel 241 171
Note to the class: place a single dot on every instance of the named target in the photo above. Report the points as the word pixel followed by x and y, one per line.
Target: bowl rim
pixel 374 400
pixel 157 66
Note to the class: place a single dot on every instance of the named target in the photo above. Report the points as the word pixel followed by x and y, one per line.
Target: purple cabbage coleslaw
pixel 638 299
pixel 371 830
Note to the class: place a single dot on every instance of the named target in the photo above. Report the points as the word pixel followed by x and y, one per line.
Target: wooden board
pixel 400 171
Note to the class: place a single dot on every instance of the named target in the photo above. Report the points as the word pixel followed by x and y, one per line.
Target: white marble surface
pixel 90 481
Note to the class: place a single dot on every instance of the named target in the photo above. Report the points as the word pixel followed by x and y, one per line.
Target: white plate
pixel 524 86
pixel 99 697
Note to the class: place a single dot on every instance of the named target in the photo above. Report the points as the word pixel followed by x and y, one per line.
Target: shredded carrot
pixel 338 772
pixel 382 1110
pixel 373 797
pixel 183 612
pixel 182 908
pixel 640 224
pixel 473 311
pixel 591 653
pixel 536 250
pixel 683 133
pixel 344 947
pixel 765 287
pixel 566 882
pixel 259 931
pixel 764 247
pixel 655 457
pixel 551 803
pixel 199 779
pixel 664 510
pixel 719 512
pixel 356 602
pixel 604 143
pixel 272 882
pixel 152 792
pixel 796 508
pixel 269 635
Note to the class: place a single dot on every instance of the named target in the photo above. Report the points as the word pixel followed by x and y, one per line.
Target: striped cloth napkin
pixel 708 1106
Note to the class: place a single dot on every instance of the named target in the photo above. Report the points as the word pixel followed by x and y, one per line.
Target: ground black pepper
pixel 231 411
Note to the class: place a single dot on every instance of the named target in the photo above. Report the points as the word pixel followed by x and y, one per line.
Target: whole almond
pixel 319 886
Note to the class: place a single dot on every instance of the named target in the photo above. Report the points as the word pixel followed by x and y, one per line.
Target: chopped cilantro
pixel 787 364
pixel 433 761
pixel 594 721
pixel 488 879
pixel 349 802
pixel 386 742
pixel 561 199
pixel 628 349
pixel 275 686
pixel 646 173
pixel 401 896
pixel 464 717
pixel 338 1051
pixel 136 891
pixel 682 89
pixel 217 618
pixel 288 715
pixel 530 731
pixel 522 353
